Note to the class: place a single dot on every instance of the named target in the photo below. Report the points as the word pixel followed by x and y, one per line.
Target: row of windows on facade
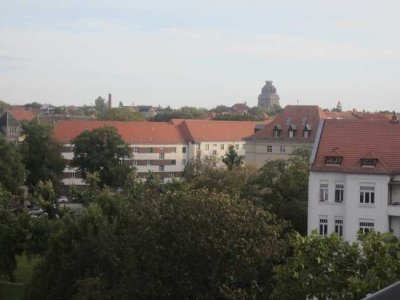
pixel 149 162
pixel 282 149
pixel 337 161
pixel 365 225
pixel 291 132
pixel 141 149
pixel 222 146
pixel 367 192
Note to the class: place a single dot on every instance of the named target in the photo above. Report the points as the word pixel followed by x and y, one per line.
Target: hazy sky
pixel 201 53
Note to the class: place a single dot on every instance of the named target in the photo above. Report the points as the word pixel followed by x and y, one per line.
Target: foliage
pixel 101 150
pixel 4 106
pixel 45 197
pixel 12 171
pixel 281 186
pixel 205 174
pixel 180 245
pixel 119 114
pixel 237 117
pixel 185 112
pixel 330 268
pixel 41 155
pixel 232 159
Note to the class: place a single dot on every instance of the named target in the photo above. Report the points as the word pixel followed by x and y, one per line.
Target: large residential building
pixel 354 182
pixel 163 148
pixel 294 127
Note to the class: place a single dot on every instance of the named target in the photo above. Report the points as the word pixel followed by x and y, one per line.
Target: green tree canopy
pixel 12 170
pixel 41 154
pixel 281 186
pixel 4 106
pixel 185 112
pixel 119 114
pixel 330 268
pixel 102 150
pixel 181 245
pixel 232 159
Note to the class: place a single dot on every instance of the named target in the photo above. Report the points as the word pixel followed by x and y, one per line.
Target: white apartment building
pixel 354 183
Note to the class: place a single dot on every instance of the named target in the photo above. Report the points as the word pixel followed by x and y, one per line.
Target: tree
pixel 232 159
pixel 181 245
pixel 102 150
pixel 281 186
pixel 185 112
pixel 330 268
pixel 41 155
pixel 119 114
pixel 4 106
pixel 12 171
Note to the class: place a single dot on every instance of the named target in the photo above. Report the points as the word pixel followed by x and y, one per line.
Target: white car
pixel 62 199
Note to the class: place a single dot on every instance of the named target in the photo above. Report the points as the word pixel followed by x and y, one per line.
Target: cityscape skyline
pixel 201 53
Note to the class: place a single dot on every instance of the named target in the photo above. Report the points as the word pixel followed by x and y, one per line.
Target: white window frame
pixel 162 155
pixel 366 225
pixel 323 225
pixel 339 226
pixel 367 194
pixel 269 148
pixel 282 149
pixel 323 191
pixel 161 168
pixel 339 192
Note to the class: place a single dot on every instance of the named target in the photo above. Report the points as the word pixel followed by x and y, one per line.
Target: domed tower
pixel 268 97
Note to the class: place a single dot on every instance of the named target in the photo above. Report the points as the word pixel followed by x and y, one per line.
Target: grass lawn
pixel 23 273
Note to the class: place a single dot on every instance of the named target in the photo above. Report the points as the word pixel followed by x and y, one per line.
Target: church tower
pixel 268 97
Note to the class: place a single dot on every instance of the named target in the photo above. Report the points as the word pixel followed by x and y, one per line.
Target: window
pixel 214 152
pixel 148 162
pixel 207 147
pixel 339 226
pixel 323 191
pixel 333 160
pixel 161 168
pixel 276 133
pixel 368 162
pixel 183 149
pixel 306 134
pixel 134 162
pixel 237 146
pixel 135 149
pixel 291 134
pixel 366 225
pixel 269 148
pixel 184 162
pixel 323 225
pixel 367 194
pixel 162 155
pixel 339 192
pixel 222 146
pixel 173 162
pixel 282 149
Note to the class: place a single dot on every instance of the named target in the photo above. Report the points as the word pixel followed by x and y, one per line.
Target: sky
pixel 201 53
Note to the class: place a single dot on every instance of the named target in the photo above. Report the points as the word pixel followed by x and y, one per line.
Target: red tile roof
pixel 359 139
pixel 21 114
pixel 132 132
pixel 205 130
pixel 298 115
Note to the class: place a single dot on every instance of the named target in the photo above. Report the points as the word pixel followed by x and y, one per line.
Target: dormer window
pixel 333 160
pixel 292 130
pixel 369 162
pixel 306 131
pixel 277 130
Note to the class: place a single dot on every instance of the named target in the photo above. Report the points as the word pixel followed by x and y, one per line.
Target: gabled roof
pixel 132 132
pixel 297 116
pixel 7 119
pixel 21 114
pixel 356 140
pixel 206 130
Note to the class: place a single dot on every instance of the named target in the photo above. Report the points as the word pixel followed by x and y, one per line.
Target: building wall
pixel 257 152
pixel 351 210
pixel 215 149
pixel 165 160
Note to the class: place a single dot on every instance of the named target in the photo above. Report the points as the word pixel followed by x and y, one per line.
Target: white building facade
pixel 354 182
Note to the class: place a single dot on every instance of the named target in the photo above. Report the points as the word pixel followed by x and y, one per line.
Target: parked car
pixel 62 199
pixel 35 211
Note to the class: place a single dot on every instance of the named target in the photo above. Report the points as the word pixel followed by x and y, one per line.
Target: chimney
pixel 109 100
pixel 395 118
